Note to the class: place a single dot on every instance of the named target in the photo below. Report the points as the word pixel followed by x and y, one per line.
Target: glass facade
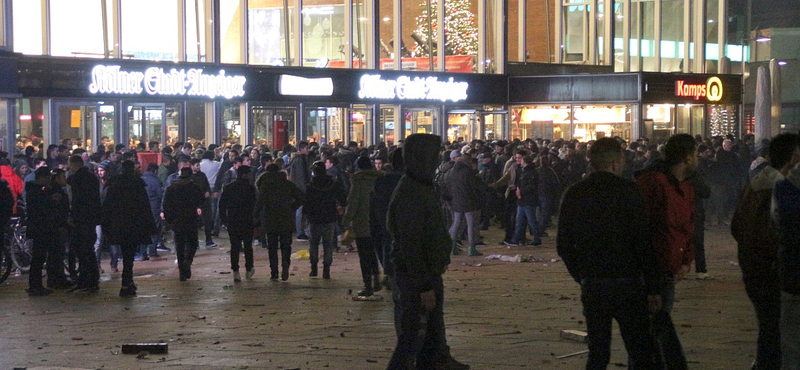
pixel 581 122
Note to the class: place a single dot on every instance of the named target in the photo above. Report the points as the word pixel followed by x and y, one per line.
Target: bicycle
pixel 6 264
pixel 18 246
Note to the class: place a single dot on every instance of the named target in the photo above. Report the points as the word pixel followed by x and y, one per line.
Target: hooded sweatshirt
pixel 420 241
pixel 786 214
pixel 751 227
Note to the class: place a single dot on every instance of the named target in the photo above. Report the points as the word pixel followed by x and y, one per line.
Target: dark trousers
pixel 324 233
pixel 625 301
pixel 128 255
pixel 368 260
pixel 241 241
pixel 510 216
pixel 700 245
pixel 42 245
pixel 284 242
pixel 383 247
pixel 185 248
pixel 83 238
pixel 419 332
pixel 664 330
pixel 765 293
pixel 208 219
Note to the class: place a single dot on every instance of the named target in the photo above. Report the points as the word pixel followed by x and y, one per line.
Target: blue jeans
pixel 790 331
pixel 326 234
pixel 523 213
pixel 473 226
pixel 664 329
pixel 545 212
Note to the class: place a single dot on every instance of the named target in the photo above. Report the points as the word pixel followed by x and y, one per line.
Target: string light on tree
pixel 460 30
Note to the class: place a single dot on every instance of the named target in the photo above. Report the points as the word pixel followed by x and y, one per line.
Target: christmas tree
pixel 461 31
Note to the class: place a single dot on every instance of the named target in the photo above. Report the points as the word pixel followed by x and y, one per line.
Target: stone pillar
pixel 763 105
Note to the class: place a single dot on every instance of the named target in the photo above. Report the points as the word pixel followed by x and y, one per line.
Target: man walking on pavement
pixel 183 200
pixel 84 217
pixel 236 205
pixel 276 209
pixel 322 199
pixel 669 202
pixel 608 252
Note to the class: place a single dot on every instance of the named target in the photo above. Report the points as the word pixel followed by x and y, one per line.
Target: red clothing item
pixel 14 182
pixel 670 207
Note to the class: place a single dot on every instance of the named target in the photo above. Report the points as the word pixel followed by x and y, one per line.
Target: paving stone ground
pixel 499 315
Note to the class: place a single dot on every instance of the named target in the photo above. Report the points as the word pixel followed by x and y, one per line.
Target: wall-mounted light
pixel 763 39
pixel 386 19
pixel 781 62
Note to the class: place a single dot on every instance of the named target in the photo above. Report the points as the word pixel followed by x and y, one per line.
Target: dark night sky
pixel 772 13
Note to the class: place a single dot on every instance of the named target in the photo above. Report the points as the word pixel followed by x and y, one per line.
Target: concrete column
pixel 763 105
pixel 775 102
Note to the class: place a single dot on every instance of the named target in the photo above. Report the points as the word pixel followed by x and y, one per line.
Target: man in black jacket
pixel 466 192
pixel 182 202
pixel 276 208
pixel 236 205
pixel 527 191
pixel 200 178
pixel 608 252
pixel 84 218
pixel 322 199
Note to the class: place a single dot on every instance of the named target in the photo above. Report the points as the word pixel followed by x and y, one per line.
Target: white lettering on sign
pixel 156 81
pixel 407 88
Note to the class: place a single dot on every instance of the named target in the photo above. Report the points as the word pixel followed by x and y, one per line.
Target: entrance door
pixel 273 127
pixel 386 124
pixel 85 125
pixel 493 125
pixel 421 121
pixel 360 127
pixel 146 123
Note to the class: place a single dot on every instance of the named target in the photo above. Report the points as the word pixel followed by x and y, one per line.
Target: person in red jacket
pixel 669 204
pixel 14 182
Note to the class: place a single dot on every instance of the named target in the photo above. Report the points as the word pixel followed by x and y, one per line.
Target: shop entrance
pixel 325 125
pixel 85 125
pixel 493 124
pixel 274 127
pixel 386 124
pixel 471 124
pixel 664 120
pixel 359 129
pixel 421 121
pixel 146 123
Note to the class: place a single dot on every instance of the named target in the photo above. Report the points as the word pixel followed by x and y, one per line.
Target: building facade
pixel 278 71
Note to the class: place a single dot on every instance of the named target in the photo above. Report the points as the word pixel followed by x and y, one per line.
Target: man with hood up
pixel 758 245
pixel 322 198
pixel 420 255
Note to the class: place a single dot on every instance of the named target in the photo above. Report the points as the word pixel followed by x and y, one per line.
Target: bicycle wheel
pixel 6 265
pixel 22 252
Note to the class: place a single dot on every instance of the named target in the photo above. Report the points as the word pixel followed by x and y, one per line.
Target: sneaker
pixel 326 273
pixel 365 293
pixel 236 277
pixel 285 274
pixel 480 244
pixel 510 244
pixel 162 247
pixel 704 276
pixel 39 292
pixel 127 291
pixel 376 283
pixel 535 243
pixel 210 244
pixel 274 276
pixel 475 253
pixel 256 242
pixel 302 238
pixel 449 363
pixel 249 274
pixel 114 269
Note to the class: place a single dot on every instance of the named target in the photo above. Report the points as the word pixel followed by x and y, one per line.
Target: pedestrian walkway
pixel 499 315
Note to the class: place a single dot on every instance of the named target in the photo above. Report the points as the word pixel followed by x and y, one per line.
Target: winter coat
pixel 155 192
pixel 356 217
pixel 466 191
pixel 277 205
pixel 670 208
pixel 549 185
pixel 322 197
pixel 6 203
pixel 300 171
pixel 85 197
pixel 127 219
pixel 14 183
pixel 786 205
pixel 340 177
pixel 420 241
pixel 163 173
pixel 379 198
pixel 41 213
pixel 528 185
pixel 751 226
pixel 236 205
pixel 181 200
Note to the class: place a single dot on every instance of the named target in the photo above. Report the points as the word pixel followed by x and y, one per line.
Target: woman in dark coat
pixel 127 220
pixel 276 208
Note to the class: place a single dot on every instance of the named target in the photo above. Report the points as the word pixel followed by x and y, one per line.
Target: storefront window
pixel 267 33
pixel 195 123
pixel 592 122
pixel 323 124
pixel 661 120
pixel 4 126
pixel 231 30
pixel 723 119
pixel 76 28
pixel 461 127
pixel 77 124
pixel 29 123
pixel 386 128
pixel 273 127
pixel 27 34
pixel 158 40
pixel 420 121
pixel 493 126
pixel 619 39
pixel 386 25
pixel 362 35
pixel 545 121
pixel 672 36
pixel 324 34
pixel 360 124
pixel 145 124
pixel 231 125
pixel 197 23
pixel 642 36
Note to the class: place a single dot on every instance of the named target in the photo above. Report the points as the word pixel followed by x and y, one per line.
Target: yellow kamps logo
pixel 714 89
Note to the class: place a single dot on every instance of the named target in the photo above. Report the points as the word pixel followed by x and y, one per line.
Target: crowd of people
pixel 650 202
